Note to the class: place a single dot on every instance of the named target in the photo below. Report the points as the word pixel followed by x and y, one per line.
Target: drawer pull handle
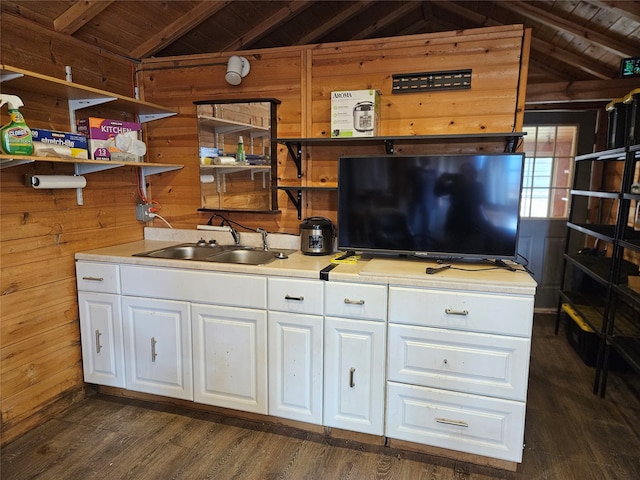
pixel 98 346
pixel 458 423
pixel 353 302
pixel 297 299
pixel 94 279
pixel 153 349
pixel 451 311
pixel 352 372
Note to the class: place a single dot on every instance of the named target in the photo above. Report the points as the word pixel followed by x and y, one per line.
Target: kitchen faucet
pixel 235 235
pixel 264 238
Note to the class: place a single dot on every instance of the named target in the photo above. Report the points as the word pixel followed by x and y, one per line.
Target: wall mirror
pixel 228 182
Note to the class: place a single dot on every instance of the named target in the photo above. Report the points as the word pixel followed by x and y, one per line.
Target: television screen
pixel 441 206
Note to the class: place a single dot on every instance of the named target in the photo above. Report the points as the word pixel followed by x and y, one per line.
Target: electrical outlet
pixel 143 212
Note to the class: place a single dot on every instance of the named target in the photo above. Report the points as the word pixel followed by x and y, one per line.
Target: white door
pixel 157 339
pixel 295 366
pixel 230 357
pixel 354 375
pixel 101 330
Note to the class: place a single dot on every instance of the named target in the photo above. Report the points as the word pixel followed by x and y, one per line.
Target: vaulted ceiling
pixel 572 40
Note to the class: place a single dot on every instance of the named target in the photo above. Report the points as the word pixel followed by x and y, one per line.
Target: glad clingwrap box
pixel 101 135
pixel 64 144
pixel 355 113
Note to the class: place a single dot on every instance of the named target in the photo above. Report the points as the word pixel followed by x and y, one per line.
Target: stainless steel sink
pixel 217 253
pixel 245 257
pixel 186 251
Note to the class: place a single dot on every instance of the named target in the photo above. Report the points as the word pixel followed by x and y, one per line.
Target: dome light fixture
pixel 237 69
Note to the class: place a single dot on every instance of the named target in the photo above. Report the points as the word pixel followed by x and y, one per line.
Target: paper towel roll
pixel 57 181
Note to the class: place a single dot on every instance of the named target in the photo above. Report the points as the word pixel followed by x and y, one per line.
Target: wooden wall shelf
pixel 80 96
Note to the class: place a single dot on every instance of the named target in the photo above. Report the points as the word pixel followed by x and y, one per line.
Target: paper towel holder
pixel 237 69
pixel 55 181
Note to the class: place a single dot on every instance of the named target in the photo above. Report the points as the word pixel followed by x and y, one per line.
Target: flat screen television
pixel 460 206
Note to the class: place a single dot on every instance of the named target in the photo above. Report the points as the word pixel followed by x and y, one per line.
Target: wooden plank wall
pixel 41 230
pixel 302 78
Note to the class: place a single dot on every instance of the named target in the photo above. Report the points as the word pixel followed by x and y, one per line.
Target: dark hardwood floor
pixel 570 434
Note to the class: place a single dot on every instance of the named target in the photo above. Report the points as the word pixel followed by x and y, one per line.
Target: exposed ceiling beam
pixel 290 11
pixel 582 91
pixel 78 15
pixel 314 35
pixel 404 8
pixel 416 27
pixel 623 49
pixel 542 49
pixel 553 72
pixel 539 49
pixel 179 27
pixel 469 15
pixel 628 9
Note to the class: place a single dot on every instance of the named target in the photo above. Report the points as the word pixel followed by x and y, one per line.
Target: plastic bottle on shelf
pixel 240 155
pixel 16 135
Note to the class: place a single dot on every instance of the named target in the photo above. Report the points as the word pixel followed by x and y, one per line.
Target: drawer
pixel 356 300
pixel 229 289
pixel 98 277
pixel 296 295
pixel 467 423
pixel 491 365
pixel 478 312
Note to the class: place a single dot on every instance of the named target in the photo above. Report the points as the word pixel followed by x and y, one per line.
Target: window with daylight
pixel 548 170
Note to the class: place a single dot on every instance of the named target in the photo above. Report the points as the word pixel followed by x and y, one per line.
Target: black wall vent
pixel 427 81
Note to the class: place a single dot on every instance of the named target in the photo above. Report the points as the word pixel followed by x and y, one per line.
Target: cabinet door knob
pixel 297 299
pixel 451 311
pixel 94 279
pixel 352 372
pixel 353 302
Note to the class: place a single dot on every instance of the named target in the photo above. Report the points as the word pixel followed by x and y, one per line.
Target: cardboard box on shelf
pixel 53 142
pixel 355 113
pixel 101 134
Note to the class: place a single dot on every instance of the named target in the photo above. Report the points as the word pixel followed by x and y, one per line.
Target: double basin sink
pixel 206 252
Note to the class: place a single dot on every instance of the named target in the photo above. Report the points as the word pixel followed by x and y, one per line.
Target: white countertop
pixel 393 271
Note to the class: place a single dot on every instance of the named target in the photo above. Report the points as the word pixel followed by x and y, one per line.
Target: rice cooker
pixel 316 236
pixel 363 116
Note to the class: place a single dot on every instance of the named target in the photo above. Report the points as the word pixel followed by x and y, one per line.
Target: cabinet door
pixel 157 339
pixel 354 375
pixel 230 357
pixel 101 331
pixel 295 366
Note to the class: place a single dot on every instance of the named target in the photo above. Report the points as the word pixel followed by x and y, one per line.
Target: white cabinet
pixel 100 323
pixel 230 357
pixel 354 352
pixel 157 339
pixel 429 363
pixel 220 325
pixel 469 362
pixel 101 331
pixel 475 424
pixel 296 348
pixel 458 366
pixel 354 375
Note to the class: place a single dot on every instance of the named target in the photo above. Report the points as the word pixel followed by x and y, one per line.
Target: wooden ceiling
pixel 571 40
